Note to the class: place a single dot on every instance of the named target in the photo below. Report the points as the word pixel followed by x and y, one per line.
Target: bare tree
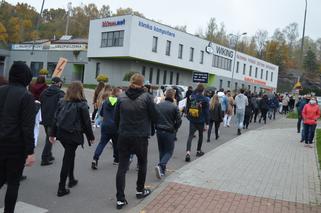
pixel 291 33
pixel 182 28
pixel 211 30
pixel 261 37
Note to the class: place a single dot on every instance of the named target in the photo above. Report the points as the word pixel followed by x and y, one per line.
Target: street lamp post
pixel 237 37
pixel 302 42
pixel 37 26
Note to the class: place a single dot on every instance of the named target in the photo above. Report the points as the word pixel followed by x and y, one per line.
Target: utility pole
pixel 37 26
pixel 236 37
pixel 69 7
pixel 302 44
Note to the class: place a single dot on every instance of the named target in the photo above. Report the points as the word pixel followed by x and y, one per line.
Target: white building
pixel 123 44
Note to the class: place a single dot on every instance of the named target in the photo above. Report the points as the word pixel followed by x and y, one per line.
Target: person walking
pixel 17 116
pixel 264 108
pixel 274 105
pixel 223 101
pixel 310 115
pixel 134 114
pixel 167 126
pixel 71 121
pixel 216 117
pixel 305 101
pixel 255 105
pixel 285 104
pixel 98 89
pixel 49 99
pixel 230 109
pixel 241 101
pixel 38 87
pixel 248 114
pixel 108 128
pixel 197 114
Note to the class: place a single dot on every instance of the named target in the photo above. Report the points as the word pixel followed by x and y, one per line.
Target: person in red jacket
pixel 310 115
pixel 38 87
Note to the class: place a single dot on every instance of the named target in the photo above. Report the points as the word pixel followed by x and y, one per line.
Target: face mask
pixel 313 102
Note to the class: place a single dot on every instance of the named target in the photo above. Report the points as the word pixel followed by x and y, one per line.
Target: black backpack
pixel 67 117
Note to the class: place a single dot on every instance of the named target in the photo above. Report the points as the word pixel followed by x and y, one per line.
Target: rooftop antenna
pixel 69 8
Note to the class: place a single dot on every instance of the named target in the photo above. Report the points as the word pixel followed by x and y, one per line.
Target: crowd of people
pixel 127 118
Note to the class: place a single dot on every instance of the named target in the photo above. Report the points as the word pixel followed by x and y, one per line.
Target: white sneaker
pixel 158 172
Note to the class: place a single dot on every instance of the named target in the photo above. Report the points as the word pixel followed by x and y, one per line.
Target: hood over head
pixel 20 73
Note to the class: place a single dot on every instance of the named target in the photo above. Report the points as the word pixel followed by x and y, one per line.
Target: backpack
pixel 67 117
pixel 195 108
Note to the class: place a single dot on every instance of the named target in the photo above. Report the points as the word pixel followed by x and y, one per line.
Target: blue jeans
pixel 239 118
pixel 166 144
pixel 309 133
pixel 104 139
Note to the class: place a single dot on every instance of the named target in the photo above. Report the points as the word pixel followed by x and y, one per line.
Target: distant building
pixel 122 44
pixel 46 53
pixel 4 60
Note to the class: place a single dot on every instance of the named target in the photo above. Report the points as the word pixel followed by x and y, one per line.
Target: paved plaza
pixel 264 170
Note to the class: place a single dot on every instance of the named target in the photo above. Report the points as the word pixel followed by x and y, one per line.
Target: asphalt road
pixel 96 190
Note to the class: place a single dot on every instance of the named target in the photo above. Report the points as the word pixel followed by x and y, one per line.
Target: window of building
pixel 168 47
pixel 271 76
pixel 221 83
pixel 51 67
pixel 191 54
pixel 144 71
pixel 261 73
pixel 254 88
pixel 266 75
pixel 35 68
pixel 177 78
pixel 151 75
pixel 255 72
pixel 250 72
pixel 244 69
pixel 229 65
pixel 202 57
pixel 236 85
pixel 157 76
pixel 165 76
pixel 180 51
pixel 220 62
pixel 171 78
pixel 155 42
pixel 242 86
pixel 97 69
pixel 228 84
pixel 112 39
pixel 237 66
pixel 249 87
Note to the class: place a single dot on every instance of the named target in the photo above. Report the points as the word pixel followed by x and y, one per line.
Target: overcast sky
pixel 238 15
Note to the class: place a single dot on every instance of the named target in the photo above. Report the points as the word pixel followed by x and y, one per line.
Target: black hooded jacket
pixel 135 113
pixel 17 113
pixel 49 102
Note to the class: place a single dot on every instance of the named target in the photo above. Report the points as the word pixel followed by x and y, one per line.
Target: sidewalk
pixel 265 170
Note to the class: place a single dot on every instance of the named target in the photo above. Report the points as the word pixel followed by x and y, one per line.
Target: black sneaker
pixel 23 177
pixel 51 158
pixel 188 158
pixel 121 204
pixel 143 194
pixel 94 164
pixel 115 163
pixel 208 140
pixel 62 192
pixel 199 153
pixel 72 183
pixel 46 163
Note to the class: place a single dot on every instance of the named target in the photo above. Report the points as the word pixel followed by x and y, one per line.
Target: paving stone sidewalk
pixel 265 170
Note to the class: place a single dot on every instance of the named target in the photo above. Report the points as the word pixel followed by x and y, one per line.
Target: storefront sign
pixel 68 47
pixel 156 29
pixel 254 81
pixel 113 23
pixel 200 77
pixel 212 48
pixel 26 47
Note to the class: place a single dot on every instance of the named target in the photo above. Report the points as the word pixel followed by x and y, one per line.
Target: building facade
pixel 122 44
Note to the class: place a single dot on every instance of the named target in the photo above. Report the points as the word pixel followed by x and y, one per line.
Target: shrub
pixel 102 78
pixel 43 71
pixel 128 76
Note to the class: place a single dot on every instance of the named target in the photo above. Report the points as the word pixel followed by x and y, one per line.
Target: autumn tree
pixel 127 11
pixel 182 28
pixel 310 61
pixel 261 37
pixel 3 34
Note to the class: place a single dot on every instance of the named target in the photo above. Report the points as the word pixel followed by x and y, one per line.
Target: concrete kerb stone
pixel 318 164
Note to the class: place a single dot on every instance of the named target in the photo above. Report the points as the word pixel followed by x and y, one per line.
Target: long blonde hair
pixel 214 101
pixel 103 95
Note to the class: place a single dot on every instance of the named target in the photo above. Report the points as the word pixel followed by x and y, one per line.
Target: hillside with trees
pixel 283 47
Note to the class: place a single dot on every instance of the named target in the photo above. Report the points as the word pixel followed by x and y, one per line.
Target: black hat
pixel 56 80
pixel 20 73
